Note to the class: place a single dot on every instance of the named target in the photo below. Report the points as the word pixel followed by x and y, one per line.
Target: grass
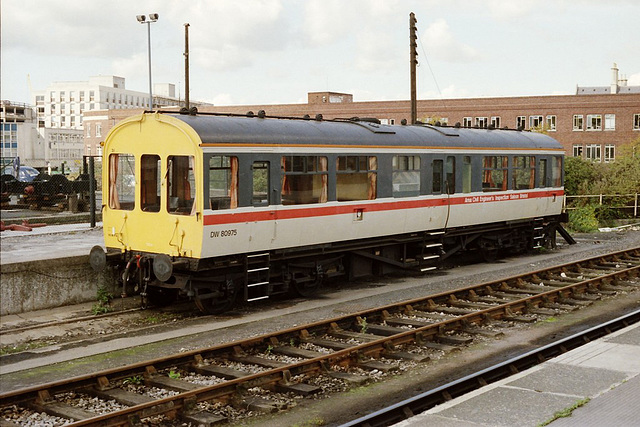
pixel 11 349
pixel 565 412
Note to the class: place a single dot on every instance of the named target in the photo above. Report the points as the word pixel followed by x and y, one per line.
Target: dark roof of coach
pixel 216 129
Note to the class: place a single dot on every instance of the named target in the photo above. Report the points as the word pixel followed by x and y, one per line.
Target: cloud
pixel 326 21
pixel 633 80
pixel 505 10
pixel 440 41
pixel 449 92
pixel 375 52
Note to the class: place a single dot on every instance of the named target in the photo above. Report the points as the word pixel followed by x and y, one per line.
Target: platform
pixel 49 242
pixel 602 376
pixel 49 267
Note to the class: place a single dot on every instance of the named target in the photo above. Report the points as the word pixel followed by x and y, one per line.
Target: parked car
pixel 27 173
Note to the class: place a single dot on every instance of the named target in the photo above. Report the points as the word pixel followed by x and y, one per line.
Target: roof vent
pixel 262 114
pixel 365 119
pixel 319 117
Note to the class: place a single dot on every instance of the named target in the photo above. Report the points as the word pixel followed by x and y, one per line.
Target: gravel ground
pixel 340 298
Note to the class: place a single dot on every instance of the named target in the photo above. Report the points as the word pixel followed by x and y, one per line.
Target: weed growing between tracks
pixel 103 305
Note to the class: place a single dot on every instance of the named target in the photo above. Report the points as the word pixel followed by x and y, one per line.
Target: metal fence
pixel 626 203
pixel 27 192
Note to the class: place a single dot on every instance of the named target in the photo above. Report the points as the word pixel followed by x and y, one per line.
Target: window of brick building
pixel 466 122
pixel 594 122
pixel 521 122
pixel 636 122
pixel 578 122
pixel 495 121
pixel 577 150
pixel 535 122
pixel 482 122
pixel 593 152
pixel 609 153
pixel 551 123
pixel 609 122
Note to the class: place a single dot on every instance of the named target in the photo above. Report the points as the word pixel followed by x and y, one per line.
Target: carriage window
pixel 223 182
pixel 260 184
pixel 450 177
pixel 524 172
pixel 494 174
pixel 181 185
pixel 437 176
pixel 542 172
pixel 150 183
pixel 406 176
pixel 356 178
pixel 304 180
pixel 122 181
pixel 466 174
pixel 556 171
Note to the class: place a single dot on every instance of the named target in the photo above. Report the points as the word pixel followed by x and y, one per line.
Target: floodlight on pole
pixel 144 19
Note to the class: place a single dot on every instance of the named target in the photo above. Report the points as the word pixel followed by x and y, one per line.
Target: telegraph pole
pixel 186 65
pixel 413 63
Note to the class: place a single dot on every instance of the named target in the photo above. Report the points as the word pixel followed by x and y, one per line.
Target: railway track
pixel 200 386
pixel 420 403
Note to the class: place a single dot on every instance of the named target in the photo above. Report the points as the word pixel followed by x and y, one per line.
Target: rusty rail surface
pixel 518 298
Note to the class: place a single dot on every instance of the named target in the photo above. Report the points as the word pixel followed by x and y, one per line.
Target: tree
pixel 579 176
pixel 623 176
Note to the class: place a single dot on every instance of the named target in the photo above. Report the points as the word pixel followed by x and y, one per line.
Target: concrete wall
pixel 38 285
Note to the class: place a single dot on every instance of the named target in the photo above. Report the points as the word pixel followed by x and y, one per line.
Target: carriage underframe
pixel 216 284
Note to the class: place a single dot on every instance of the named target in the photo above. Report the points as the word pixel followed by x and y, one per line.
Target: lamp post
pixel 144 19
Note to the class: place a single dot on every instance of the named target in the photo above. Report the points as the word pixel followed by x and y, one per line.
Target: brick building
pixel 593 123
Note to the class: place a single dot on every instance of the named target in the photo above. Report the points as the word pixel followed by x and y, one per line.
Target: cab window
pixel 181 185
pixel 150 183
pixel 122 181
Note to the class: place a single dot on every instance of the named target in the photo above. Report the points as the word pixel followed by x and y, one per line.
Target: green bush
pixel 583 219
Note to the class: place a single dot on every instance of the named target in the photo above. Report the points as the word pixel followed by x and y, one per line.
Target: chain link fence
pixel 61 196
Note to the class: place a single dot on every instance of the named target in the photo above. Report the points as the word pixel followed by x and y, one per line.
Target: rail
pixel 427 400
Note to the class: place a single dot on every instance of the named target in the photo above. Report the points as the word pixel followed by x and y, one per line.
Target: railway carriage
pixel 225 207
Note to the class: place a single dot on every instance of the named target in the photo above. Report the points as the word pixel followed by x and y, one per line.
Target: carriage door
pixel 260 176
pixel 261 198
pixel 544 181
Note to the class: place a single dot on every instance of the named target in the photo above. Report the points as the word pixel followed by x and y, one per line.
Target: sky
pixel 276 51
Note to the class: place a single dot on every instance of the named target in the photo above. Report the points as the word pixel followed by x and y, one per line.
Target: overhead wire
pixel 426 58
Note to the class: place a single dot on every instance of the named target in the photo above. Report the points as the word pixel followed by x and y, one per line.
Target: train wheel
pixel 489 254
pixel 307 289
pixel 213 301
pixel 161 297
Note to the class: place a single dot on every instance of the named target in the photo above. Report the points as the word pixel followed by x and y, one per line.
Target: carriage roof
pixel 221 129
